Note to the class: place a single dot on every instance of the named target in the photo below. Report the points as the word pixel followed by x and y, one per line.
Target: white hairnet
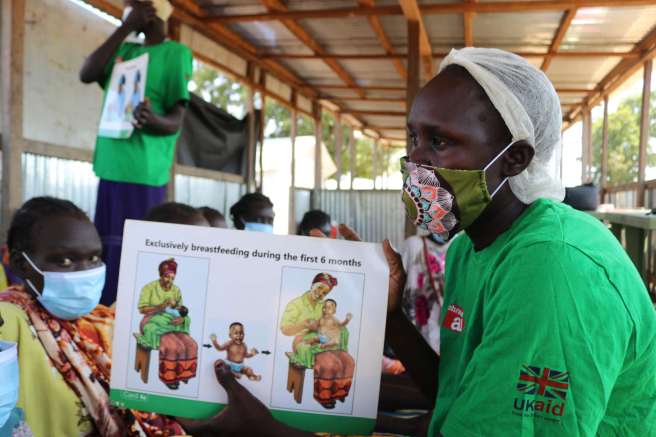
pixel 528 104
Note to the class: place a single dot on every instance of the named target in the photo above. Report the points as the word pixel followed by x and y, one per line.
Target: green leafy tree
pixel 623 141
pixel 217 88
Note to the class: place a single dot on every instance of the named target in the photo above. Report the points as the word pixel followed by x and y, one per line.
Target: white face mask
pixel 69 295
pixel 9 377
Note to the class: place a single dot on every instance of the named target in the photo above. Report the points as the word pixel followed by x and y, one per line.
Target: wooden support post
pixel 338 148
pixel 318 177
pixel 586 146
pixel 374 160
pixel 12 28
pixel 351 148
pixel 292 191
pixel 604 153
pixel 412 88
pixel 252 134
pixel 261 129
pixel 644 132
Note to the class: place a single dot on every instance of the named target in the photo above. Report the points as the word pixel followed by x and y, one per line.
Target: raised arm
pixel 348 318
pixel 218 346
pixel 93 69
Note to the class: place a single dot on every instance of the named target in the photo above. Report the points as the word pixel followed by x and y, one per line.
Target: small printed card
pixel 300 322
pixel 127 87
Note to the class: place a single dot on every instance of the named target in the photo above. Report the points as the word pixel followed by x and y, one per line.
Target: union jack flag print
pixel 543 381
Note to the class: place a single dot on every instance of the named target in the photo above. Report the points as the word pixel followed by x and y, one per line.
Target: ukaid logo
pixel 454 319
pixel 543 393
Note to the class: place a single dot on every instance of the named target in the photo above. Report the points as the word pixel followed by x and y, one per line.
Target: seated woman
pixel 333 367
pixel 64 339
pixel 165 327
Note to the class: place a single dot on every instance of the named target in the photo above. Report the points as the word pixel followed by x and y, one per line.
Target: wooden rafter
pixel 412 13
pixel 565 22
pixel 374 56
pixel 433 9
pixel 185 11
pixel 375 113
pixel 297 30
pixel 384 40
pixel 616 77
pixel 468 25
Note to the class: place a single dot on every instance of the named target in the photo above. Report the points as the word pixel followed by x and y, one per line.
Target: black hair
pixel 172 212
pixel 330 300
pixel 247 201
pixel 314 219
pixel 19 236
pixel 235 324
pixel 211 214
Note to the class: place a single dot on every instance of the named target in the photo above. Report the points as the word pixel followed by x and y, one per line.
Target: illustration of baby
pixel 328 327
pixel 237 352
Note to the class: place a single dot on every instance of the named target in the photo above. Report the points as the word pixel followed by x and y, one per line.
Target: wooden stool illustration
pixel 142 361
pixel 295 381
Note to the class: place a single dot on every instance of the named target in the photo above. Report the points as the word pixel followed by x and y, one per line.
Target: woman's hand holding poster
pixel 299 321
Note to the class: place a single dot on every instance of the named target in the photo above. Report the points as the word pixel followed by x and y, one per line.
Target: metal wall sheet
pixel 75 181
pixel 373 214
pixel 197 192
pixel 63 178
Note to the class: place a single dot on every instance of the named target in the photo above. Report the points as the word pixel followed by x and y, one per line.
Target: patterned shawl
pixel 81 351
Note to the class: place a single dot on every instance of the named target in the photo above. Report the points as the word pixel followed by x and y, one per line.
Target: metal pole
pixel 351 147
pixel 316 111
pixel 338 148
pixel 644 132
pixel 12 37
pixel 412 88
pixel 292 188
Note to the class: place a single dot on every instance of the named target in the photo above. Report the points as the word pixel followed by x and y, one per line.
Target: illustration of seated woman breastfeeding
pixel 320 343
pixel 165 327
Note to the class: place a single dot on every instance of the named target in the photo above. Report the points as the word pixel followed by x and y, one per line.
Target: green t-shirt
pixel 146 159
pixel 547 331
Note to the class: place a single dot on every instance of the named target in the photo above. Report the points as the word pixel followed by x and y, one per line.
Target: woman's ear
pixel 517 158
pixel 21 268
pixel 18 264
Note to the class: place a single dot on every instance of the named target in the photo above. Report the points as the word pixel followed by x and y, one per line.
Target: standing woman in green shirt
pixel 134 171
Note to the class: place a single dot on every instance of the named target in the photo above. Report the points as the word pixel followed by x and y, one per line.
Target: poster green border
pixel 195 409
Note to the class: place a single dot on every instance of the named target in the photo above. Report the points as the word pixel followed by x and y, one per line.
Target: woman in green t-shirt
pixel 134 171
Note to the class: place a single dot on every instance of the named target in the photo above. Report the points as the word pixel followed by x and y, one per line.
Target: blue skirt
pixel 117 202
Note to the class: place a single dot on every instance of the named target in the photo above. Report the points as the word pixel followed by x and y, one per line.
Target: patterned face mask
pixel 430 205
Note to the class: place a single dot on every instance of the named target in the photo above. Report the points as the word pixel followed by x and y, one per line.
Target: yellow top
pixel 51 407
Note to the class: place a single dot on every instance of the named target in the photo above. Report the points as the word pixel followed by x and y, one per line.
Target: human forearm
pixel 419 359
pixel 93 68
pixel 155 124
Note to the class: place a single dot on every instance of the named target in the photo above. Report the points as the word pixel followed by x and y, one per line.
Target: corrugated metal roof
pixel 337 39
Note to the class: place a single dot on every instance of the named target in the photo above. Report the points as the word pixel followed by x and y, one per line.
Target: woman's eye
pixel 438 143
pixel 95 259
pixel 66 262
pixel 413 139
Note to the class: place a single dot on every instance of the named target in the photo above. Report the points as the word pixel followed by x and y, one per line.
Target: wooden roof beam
pixel 374 56
pixel 617 76
pixel 468 25
pixel 384 40
pixel 297 30
pixel 412 13
pixel 375 113
pixel 563 27
pixel 430 9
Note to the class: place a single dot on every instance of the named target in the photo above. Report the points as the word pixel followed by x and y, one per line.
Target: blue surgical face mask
pixel 69 295
pixel 258 227
pixel 9 377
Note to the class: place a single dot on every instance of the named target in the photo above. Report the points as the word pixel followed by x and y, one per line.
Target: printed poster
pixel 126 90
pixel 300 322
